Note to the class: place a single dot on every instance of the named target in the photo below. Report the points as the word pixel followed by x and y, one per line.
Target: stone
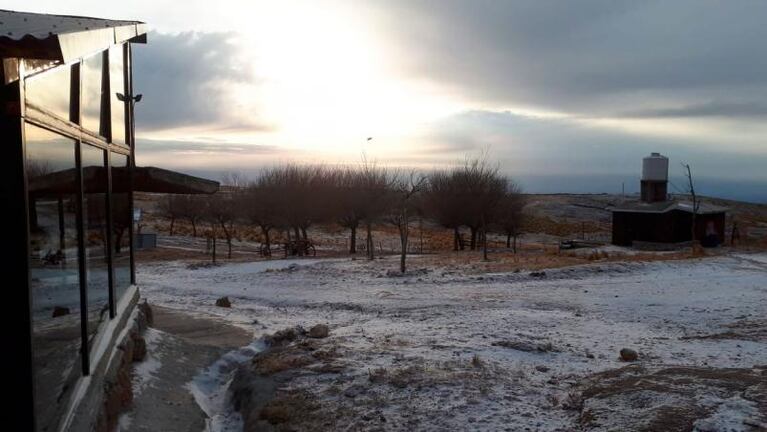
pixel 629 355
pixel 354 391
pixel 542 368
pixel 139 348
pixel 525 346
pixel 319 331
pixel 60 311
pixel 224 302
pixel 284 336
pixel 147 311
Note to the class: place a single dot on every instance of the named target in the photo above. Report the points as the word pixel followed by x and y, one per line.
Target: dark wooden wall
pixel 670 227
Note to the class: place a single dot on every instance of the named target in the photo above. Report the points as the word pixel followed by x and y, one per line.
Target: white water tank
pixel 655 168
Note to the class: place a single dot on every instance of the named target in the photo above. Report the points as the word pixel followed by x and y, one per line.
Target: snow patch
pixel 210 389
pixel 144 372
pixel 732 415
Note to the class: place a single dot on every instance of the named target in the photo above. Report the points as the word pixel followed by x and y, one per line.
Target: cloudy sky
pixel 567 96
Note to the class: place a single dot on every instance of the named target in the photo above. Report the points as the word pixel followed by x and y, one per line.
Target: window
pixel 54 270
pixel 117 85
pixel 92 70
pixel 50 91
pixel 95 230
pixel 121 222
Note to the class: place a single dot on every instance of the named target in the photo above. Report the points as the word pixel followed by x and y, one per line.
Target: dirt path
pixel 179 346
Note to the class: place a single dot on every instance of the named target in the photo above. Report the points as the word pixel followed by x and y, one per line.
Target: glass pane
pixel 117 85
pixel 50 91
pixel 121 220
pixel 54 270
pixel 92 73
pixel 95 231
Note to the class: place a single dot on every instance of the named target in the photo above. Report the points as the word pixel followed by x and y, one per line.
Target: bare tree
pixel 236 180
pixel 172 207
pixel 261 202
pixel 442 203
pixel 695 202
pixel 302 193
pixel 375 185
pixel 480 188
pixel 509 217
pixel 349 200
pixel 192 208
pixel 219 212
pixel 403 204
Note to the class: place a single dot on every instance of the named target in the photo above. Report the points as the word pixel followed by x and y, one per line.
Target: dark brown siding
pixel 670 227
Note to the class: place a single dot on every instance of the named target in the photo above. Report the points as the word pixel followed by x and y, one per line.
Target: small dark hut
pixel 657 220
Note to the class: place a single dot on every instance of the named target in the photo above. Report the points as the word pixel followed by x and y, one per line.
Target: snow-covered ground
pixel 444 323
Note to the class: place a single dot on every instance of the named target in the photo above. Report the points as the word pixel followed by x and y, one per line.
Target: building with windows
pixel 68 174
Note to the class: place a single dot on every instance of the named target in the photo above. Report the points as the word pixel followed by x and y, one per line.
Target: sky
pixel 564 96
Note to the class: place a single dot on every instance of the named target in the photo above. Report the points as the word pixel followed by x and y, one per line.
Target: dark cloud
pixel 535 149
pixel 591 57
pixel 710 109
pixel 188 79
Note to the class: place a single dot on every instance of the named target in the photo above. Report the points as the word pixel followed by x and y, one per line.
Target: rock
pixel 284 336
pixel 60 311
pixel 542 368
pixel 524 346
pixel 147 311
pixel 139 348
pixel 354 391
pixel 629 355
pixel 319 331
pixel 224 302
pixel 538 274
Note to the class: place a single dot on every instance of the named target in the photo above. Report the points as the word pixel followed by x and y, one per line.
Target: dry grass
pixel 477 362
pixel 288 406
pixel 278 360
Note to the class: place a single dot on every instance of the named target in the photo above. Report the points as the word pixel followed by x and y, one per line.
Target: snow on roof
pixel 667 206
pixel 60 37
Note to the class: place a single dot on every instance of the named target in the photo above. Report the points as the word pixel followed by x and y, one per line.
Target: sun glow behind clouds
pixel 327 81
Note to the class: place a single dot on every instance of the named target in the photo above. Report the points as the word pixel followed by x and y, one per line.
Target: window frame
pixel 71 128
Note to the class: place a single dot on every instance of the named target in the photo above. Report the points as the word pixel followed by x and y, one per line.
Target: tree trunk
pixel 508 240
pixel 369 242
pixel 456 239
pixel 298 250
pixel 213 233
pixel 403 234
pixel 303 232
pixel 353 240
pixel 420 235
pixel 514 248
pixel 484 240
pixel 287 242
pixel 228 235
pixel 172 223
pixel 194 227
pixel 473 243
pixel 267 241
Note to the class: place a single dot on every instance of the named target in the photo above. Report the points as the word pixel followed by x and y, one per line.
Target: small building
pixel 67 174
pixel 657 220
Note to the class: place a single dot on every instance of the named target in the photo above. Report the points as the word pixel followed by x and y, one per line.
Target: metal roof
pixel 145 179
pixel 62 37
pixel 666 206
